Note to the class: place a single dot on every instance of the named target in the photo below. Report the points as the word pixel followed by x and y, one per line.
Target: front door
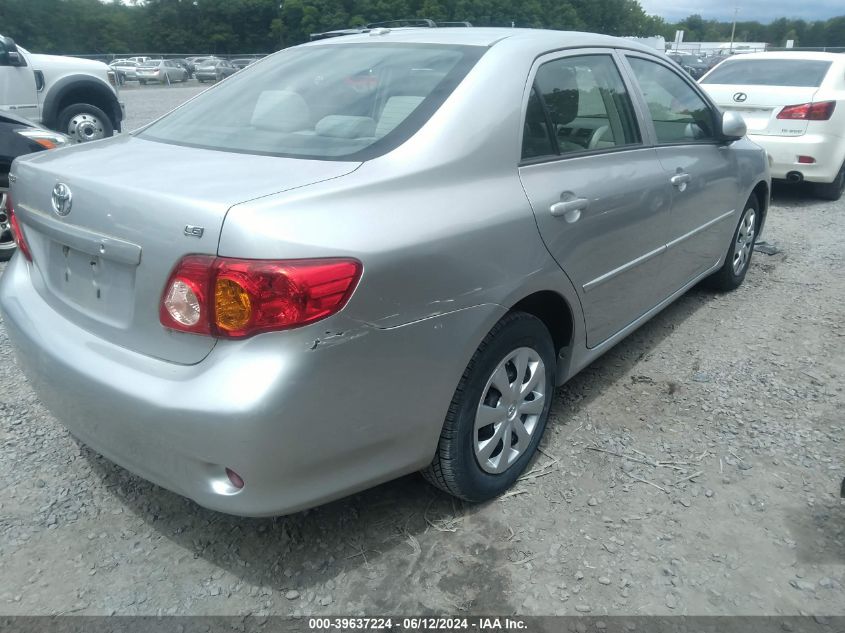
pixel 599 195
pixel 18 92
pixel 702 170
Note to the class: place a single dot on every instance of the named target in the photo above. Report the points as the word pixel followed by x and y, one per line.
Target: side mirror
pixel 733 127
pixel 9 55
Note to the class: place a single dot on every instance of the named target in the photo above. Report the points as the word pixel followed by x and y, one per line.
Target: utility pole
pixel 281 25
pixel 733 29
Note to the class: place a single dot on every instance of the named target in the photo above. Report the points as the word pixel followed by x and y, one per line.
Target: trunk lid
pixel 104 265
pixel 761 106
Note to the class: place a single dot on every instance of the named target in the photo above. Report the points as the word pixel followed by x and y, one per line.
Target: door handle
pixel 570 209
pixel 681 180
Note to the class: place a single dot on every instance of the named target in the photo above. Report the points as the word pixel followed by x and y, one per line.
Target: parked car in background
pixel 198 61
pixel 714 60
pixel 125 69
pixel 140 59
pixel 19 136
pixel 341 309
pixel 184 63
pixel 243 62
pixel 164 71
pixel 695 65
pixel 214 70
pixel 388 24
pixel 77 97
pixel 794 106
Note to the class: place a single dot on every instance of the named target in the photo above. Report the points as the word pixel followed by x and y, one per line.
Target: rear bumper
pixel 829 152
pixel 303 417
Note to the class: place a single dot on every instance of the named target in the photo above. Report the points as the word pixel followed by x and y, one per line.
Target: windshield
pixel 799 73
pixel 331 102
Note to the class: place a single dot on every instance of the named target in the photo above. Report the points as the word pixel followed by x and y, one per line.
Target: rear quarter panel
pixel 441 223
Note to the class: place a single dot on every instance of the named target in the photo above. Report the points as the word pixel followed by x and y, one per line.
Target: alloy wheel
pixel 744 241
pixel 7 240
pixel 511 404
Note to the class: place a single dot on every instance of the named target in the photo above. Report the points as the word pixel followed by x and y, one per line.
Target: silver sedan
pixel 371 255
pixel 161 70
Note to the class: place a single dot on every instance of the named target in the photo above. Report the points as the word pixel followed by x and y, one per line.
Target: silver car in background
pixel 163 71
pixel 371 255
pixel 126 69
pixel 214 70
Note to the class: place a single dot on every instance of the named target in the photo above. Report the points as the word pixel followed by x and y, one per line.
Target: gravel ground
pixel 694 469
pixel 146 103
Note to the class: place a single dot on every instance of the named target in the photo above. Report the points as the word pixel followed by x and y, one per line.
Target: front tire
pixel 84 122
pixel 732 273
pixel 499 411
pixel 833 190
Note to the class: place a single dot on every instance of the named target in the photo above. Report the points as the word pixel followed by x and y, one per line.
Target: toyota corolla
pixel 370 255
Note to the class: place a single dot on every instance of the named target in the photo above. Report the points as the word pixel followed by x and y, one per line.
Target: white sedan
pixel 794 106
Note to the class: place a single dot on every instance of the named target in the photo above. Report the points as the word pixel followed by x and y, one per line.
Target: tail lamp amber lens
pixel 232 305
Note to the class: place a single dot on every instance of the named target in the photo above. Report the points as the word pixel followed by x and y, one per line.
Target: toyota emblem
pixel 62 199
pixel 740 97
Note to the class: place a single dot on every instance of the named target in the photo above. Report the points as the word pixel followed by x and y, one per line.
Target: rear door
pixel 702 171
pixel 599 195
pixel 759 89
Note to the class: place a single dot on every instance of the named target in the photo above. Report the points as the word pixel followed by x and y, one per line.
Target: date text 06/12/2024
pixel 482 624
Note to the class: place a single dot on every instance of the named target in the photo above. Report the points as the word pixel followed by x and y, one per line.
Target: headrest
pixel 396 110
pixel 559 87
pixel 281 111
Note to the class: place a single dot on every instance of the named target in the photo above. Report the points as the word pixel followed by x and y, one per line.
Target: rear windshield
pixel 798 73
pixel 329 102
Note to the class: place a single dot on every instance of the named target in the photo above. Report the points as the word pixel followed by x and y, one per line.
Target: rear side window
pixel 797 73
pixel 578 104
pixel 679 114
pixel 328 102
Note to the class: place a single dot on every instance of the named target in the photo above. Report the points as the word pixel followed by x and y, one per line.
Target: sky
pixel 759 10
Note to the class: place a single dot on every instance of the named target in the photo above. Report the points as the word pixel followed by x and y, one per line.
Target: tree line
pixel 260 26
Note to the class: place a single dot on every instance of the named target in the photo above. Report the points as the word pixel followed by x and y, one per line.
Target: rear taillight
pixel 236 298
pixel 17 231
pixel 821 111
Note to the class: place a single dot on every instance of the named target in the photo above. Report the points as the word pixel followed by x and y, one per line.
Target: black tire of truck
pixel 84 122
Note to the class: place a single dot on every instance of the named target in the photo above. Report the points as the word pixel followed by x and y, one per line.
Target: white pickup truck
pixel 70 95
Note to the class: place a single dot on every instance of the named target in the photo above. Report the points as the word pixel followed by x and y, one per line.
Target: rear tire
pixel 499 411
pixel 832 190
pixel 732 273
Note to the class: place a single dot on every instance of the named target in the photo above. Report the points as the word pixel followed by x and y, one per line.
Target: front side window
pixel 328 102
pixel 585 103
pixel 679 114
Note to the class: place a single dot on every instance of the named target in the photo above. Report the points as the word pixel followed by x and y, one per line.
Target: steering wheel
pixel 597 136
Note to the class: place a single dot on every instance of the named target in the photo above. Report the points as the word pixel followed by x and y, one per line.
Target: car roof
pixel 542 39
pixel 806 55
